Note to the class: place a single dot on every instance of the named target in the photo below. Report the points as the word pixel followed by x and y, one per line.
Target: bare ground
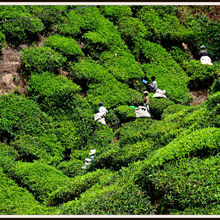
pixel 199 96
pixel 10 79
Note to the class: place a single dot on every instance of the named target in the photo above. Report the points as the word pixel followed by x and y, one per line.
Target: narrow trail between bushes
pixel 199 96
pixel 9 71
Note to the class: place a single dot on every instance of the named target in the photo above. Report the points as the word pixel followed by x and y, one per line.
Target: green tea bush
pixel 122 65
pixel 171 109
pixel 41 59
pixel 205 32
pixel 46 147
pixel 115 199
pixel 71 168
pixel 2 41
pixel 66 132
pixel 88 71
pixel 201 76
pixel 51 21
pixel 19 115
pixel 15 200
pixel 120 94
pixel 215 87
pixel 213 100
pixel 102 39
pixel 132 29
pixel 125 113
pixel 18 31
pixel 112 119
pixel 39 178
pixel 162 25
pixel 179 55
pixel 188 183
pixel 79 185
pixel 52 91
pixel 78 22
pixel 79 154
pixel 200 143
pixel 134 131
pixel 115 12
pixel 101 137
pixel 8 156
pixel 169 75
pixel 115 157
pixel 65 45
pixel 157 106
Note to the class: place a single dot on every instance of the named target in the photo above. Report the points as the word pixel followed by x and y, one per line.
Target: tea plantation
pixel 168 164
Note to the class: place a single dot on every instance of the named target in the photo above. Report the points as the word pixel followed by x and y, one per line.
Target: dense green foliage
pixel 72 58
pixel 40 59
pixel 19 30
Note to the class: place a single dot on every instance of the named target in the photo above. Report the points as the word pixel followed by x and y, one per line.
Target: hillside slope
pixel 56 68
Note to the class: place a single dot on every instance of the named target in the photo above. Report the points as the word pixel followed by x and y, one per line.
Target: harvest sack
pixel 159 94
pixel 141 111
pixel 100 117
pixel 206 60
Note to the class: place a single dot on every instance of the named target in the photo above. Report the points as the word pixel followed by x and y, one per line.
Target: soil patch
pixel 10 79
pixel 199 96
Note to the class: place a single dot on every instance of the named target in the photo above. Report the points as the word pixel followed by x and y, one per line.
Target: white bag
pixel 141 111
pixel 159 95
pixel 206 60
pixel 161 91
pixel 99 117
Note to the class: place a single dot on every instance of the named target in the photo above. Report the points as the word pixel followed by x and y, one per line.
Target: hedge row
pixel 41 59
pixel 188 183
pixel 2 41
pixel 39 178
pixel 65 45
pixel 115 199
pixel 162 25
pixel 52 92
pixel 22 30
pixel 201 76
pixel 200 143
pixel 78 186
pixel 15 200
pixel 45 147
pixel 19 115
pixel 115 157
pixel 169 75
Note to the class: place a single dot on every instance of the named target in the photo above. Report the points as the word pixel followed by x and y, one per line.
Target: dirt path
pixel 10 79
pixel 199 96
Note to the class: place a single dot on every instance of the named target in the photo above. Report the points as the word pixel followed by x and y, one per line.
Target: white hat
pixel 92 152
pixel 145 91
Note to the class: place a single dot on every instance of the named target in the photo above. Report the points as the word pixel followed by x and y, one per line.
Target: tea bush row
pixel 41 59
pixel 79 185
pixel 39 178
pixel 65 45
pixel 188 183
pixel 169 75
pixel 52 91
pixel 201 76
pixel 20 115
pixel 115 157
pixel 16 200
pixel 45 147
pixel 115 199
pixel 2 41
pixel 20 30
pixel 161 25
pixel 200 143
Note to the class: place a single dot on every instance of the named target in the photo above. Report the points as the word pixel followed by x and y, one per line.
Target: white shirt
pixel 154 85
pixel 103 110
